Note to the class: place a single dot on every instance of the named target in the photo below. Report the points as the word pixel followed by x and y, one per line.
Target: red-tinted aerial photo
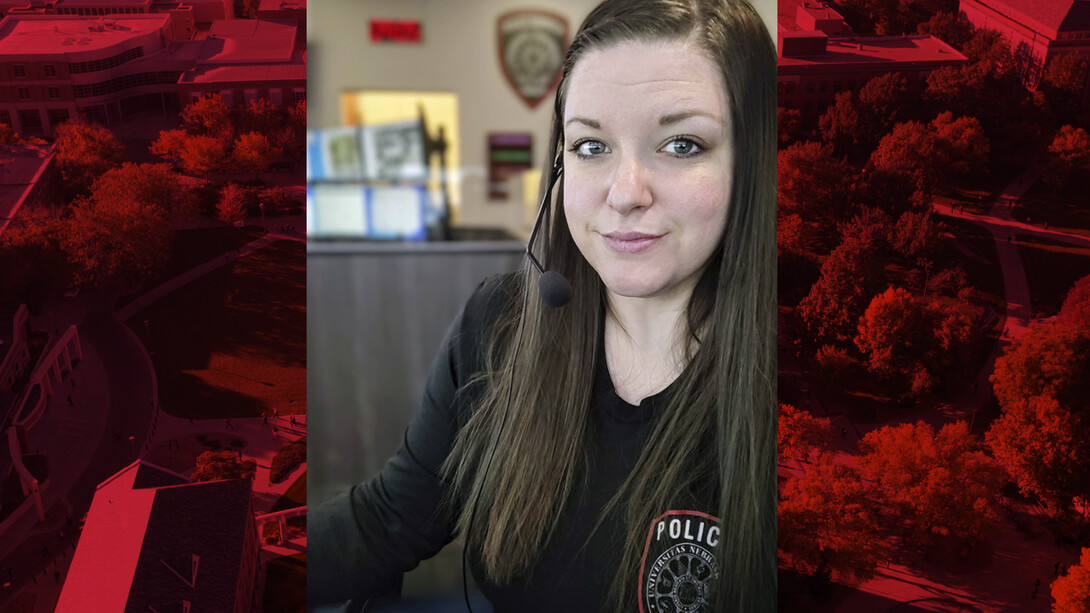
pixel 152 305
pixel 934 303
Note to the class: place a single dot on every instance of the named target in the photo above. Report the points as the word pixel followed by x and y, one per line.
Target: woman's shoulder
pixel 491 303
pixel 483 316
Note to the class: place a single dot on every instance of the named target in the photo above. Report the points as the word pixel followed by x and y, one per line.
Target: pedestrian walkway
pixel 192 274
pixel 262 443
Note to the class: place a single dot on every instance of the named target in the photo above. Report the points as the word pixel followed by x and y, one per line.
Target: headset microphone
pixel 554 288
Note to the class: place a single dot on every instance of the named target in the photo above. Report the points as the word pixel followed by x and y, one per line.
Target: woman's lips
pixel 630 242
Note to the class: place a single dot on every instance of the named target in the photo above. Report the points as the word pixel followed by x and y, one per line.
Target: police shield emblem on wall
pixel 532 44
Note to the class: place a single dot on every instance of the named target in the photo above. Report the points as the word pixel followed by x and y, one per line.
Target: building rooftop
pixel 150 542
pixel 879 50
pixel 193 547
pixel 82 3
pixel 1050 17
pixel 242 41
pixel 104 562
pixel 295 70
pixel 53 34
pixel 20 167
pixel 282 5
pixel 787 12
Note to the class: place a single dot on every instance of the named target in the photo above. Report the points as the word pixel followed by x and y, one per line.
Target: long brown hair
pixel 716 432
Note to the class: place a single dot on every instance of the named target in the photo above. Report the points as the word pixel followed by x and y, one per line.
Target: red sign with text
pixel 388 31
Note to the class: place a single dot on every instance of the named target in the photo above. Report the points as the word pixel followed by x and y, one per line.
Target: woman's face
pixel 648 165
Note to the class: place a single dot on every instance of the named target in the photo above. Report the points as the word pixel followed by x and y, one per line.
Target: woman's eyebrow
pixel 583 120
pixel 673 118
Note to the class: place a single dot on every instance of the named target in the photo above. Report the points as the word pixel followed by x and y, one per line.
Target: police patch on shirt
pixel 678 567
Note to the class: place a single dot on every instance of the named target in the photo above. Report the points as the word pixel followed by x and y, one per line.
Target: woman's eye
pixel 590 148
pixel 682 147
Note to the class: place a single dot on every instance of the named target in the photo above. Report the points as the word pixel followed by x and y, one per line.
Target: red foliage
pixel 937 482
pixel 828 520
pixel 1072 591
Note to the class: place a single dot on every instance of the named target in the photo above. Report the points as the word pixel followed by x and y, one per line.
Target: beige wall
pixel 458 54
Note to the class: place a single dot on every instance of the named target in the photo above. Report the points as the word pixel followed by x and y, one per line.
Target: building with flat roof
pixel 59 66
pixel 112 68
pixel 242 59
pixel 1037 31
pixel 153 541
pixel 820 56
pixel 294 11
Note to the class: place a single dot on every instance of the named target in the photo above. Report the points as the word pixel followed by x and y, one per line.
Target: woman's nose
pixel 630 188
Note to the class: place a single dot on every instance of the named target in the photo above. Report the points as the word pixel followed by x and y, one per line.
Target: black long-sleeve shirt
pixel 360 542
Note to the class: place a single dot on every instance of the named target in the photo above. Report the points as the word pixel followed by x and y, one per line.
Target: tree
pixel 254 153
pixel 151 184
pixel 961 141
pixel 915 341
pixel 850 277
pixel 232 205
pixel 947 27
pixel 884 18
pixel 1075 310
pixel 1062 83
pixel 789 125
pixel 203 155
pixel 119 242
pixel 33 262
pixel 832 367
pixel 218 465
pixel 1072 591
pixel 883 102
pixel 800 434
pixel 84 152
pixel 1043 382
pixel 855 125
pixel 209 116
pixel 935 481
pixel 909 150
pixel 813 184
pixel 841 126
pixel 931 153
pixel 915 236
pixel 827 520
pixel 1048 360
pixel 1044 447
pixel 170 145
pixel 261 116
pixel 1070 150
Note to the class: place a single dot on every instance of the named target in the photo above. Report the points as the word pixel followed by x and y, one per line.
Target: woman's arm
pixel 360 542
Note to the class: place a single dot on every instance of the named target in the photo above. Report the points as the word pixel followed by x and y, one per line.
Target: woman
pixel 617 453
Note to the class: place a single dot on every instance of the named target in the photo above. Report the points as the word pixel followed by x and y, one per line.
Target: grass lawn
pixel 975 195
pixel 233 342
pixel 286 584
pixel 1052 268
pixel 1065 210
pixel 194 247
